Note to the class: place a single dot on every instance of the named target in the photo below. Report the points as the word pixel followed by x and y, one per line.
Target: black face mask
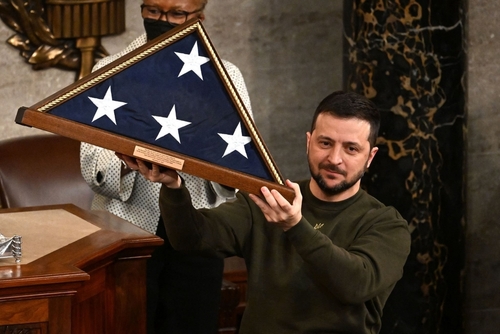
pixel 155 28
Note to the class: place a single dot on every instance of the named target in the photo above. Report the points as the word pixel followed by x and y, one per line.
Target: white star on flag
pixel 236 142
pixel 106 106
pixel 192 61
pixel 170 125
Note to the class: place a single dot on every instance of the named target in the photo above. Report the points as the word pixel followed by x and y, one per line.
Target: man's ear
pixel 202 17
pixel 308 139
pixel 373 151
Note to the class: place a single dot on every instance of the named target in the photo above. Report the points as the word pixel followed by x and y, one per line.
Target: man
pixel 325 263
pixel 183 290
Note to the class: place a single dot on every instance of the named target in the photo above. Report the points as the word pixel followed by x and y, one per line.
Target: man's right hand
pixel 168 177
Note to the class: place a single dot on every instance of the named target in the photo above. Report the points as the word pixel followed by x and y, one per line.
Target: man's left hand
pixel 277 209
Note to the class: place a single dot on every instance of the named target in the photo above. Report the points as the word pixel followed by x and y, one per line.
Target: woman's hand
pixel 152 172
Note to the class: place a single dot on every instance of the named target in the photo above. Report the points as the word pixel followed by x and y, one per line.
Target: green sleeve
pixel 221 231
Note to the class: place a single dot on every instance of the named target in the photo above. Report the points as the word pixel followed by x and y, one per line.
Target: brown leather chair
pixel 42 169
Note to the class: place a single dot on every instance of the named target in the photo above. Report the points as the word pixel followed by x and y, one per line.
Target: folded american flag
pixel 172 94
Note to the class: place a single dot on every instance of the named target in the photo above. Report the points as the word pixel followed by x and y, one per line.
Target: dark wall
pixel 408 58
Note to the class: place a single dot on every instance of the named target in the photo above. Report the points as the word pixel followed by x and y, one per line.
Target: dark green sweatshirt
pixel 331 273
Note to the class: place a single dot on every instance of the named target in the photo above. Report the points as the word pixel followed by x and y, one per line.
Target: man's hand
pixel 168 177
pixel 277 209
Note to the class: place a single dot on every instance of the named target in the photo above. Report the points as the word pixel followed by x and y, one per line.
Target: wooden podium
pixel 81 272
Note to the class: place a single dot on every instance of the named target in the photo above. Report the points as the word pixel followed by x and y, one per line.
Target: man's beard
pixel 339 188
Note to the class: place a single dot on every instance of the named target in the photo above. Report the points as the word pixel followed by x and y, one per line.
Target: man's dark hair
pixel 350 105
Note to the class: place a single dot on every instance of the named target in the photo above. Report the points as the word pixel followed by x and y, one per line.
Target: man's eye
pixel 352 149
pixel 324 143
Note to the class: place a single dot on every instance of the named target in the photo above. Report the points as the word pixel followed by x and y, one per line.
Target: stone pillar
pixel 482 308
pixel 409 58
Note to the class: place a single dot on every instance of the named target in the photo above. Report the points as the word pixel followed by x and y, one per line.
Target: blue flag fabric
pixel 174 99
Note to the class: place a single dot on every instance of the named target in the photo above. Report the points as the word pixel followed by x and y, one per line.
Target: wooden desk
pixel 96 284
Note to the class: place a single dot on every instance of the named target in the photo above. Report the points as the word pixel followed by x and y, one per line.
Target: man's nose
pixel 335 155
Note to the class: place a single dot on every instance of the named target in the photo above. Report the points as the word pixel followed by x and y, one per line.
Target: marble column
pixel 408 56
